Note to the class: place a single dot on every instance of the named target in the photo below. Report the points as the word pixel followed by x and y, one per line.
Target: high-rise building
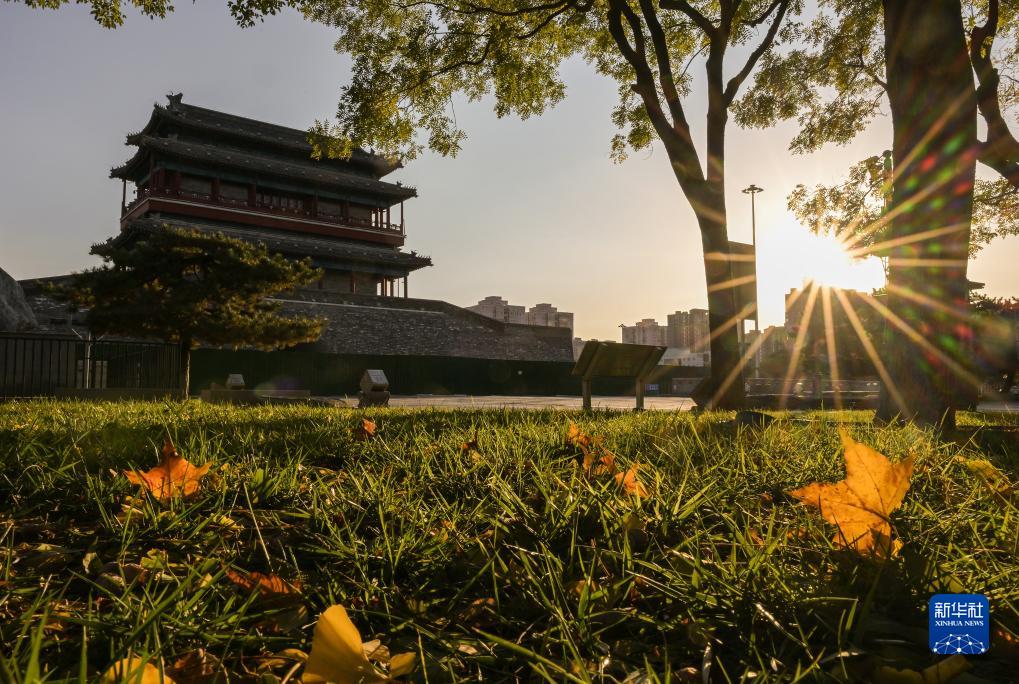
pixel 646 331
pixel 688 330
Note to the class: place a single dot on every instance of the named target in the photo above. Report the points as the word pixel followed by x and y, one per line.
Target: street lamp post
pixel 752 190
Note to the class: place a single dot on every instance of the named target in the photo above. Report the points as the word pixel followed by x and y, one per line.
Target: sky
pixel 533 210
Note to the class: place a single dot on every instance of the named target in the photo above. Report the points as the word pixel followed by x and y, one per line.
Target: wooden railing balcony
pixel 145 194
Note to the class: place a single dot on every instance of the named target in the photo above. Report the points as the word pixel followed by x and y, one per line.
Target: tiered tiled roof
pixel 226 141
pixel 304 170
pixel 294 244
pixel 224 125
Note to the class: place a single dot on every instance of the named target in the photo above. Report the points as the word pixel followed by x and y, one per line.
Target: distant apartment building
pixel 499 309
pixel 549 316
pixel 688 330
pixel 646 331
pixel 540 314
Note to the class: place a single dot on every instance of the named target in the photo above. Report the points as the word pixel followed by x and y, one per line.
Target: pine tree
pixel 191 287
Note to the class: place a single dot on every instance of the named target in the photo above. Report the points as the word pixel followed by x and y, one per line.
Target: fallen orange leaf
pixel 1003 641
pixel 861 505
pixel 575 437
pixel 598 461
pixel 269 586
pixel 172 477
pixel 630 482
pixel 365 431
pixel 471 445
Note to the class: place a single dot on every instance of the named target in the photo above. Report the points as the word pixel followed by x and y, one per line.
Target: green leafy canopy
pixel 831 79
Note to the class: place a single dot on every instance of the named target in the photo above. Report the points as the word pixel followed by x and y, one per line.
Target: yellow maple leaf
pixel 134 671
pixel 337 654
pixel 174 475
pixel 861 505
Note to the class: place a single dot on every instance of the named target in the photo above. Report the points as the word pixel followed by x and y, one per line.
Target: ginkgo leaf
pixel 337 654
pixel 630 483
pixel 174 476
pixel 861 505
pixel 134 671
pixel 269 586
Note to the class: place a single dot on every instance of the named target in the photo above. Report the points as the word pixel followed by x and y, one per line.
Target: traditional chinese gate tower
pixel 209 170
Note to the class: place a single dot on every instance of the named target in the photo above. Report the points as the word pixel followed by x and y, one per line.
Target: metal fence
pixel 38 365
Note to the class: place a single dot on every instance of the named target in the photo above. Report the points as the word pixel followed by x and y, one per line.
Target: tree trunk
pixel 725 387
pixel 933 105
pixel 185 367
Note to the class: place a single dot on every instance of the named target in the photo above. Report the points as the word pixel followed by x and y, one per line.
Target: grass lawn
pixel 501 563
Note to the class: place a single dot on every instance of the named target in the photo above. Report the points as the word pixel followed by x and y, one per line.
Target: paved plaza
pixel 459 401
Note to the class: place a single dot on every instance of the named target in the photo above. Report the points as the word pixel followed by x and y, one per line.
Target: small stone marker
pixel 374 389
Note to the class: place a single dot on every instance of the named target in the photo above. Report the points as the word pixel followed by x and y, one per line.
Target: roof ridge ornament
pixel 174 101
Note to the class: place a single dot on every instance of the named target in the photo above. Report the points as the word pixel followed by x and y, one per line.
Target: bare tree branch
pixel 1001 151
pixel 736 81
pixel 761 18
pixel 681 149
pixel 689 10
pixel 662 55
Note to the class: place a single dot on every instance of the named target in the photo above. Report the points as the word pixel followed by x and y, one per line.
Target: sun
pixel 790 256
pixel 826 262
